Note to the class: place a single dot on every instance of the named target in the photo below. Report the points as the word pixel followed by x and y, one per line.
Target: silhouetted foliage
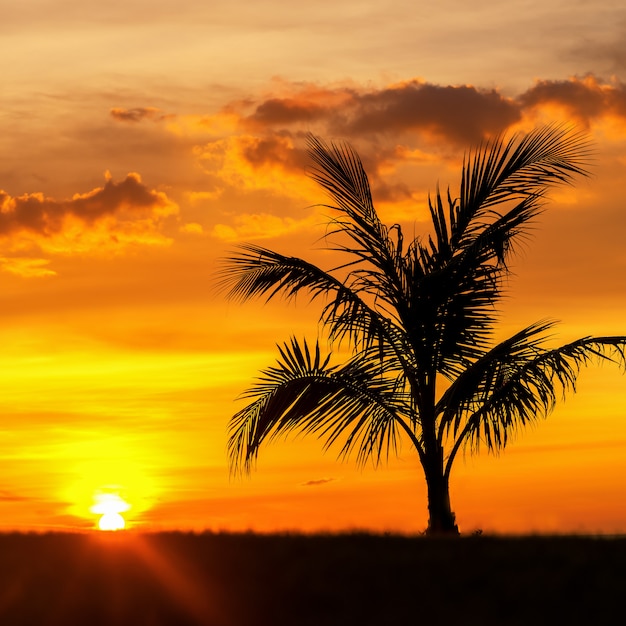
pixel 179 579
pixel 419 316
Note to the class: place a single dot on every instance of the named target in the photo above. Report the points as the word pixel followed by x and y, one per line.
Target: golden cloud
pixel 192 228
pixel 583 99
pixel 26 267
pixel 262 226
pixel 104 220
pixel 196 197
pixel 249 163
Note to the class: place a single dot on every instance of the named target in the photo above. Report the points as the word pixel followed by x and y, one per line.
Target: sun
pixel 110 484
pixel 110 505
pixel 111 521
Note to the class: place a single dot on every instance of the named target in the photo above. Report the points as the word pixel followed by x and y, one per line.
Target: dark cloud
pixel 574 94
pixel 274 149
pixel 458 114
pixel 287 111
pixel 462 114
pixel 136 114
pixel 36 213
pixel 386 192
pixel 317 482
pixel 585 98
pixel 402 126
pixel 130 193
pixel 9 496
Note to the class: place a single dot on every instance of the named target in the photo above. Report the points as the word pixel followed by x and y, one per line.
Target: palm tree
pixel 419 318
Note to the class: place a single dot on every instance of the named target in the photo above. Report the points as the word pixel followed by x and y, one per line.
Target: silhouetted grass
pixel 305 580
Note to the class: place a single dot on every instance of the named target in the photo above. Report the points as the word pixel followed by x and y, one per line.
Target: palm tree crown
pixel 419 317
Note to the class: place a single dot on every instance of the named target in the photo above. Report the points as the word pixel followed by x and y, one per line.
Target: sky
pixel 140 141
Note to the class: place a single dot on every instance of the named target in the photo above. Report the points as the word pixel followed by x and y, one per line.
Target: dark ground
pixel 323 580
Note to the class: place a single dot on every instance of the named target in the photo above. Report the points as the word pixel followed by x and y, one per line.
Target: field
pixel 298 580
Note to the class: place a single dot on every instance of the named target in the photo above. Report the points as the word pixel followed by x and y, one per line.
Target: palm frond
pixel 520 169
pixel 515 386
pixel 339 170
pixel 356 404
pixel 477 382
pixel 257 271
pixel 457 276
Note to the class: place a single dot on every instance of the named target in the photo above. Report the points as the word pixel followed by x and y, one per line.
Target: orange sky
pixel 140 141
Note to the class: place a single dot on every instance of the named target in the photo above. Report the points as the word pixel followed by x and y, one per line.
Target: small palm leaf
pixel 521 169
pixel 353 404
pixel 517 383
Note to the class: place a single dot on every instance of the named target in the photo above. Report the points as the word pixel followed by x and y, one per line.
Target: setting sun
pixel 110 506
pixel 111 521
pixel 109 476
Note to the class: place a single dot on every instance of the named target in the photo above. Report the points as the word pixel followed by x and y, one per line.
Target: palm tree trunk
pixel 441 519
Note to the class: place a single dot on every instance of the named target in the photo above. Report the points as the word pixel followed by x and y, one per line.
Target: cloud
pixel 192 228
pixel 317 482
pixel 252 151
pixel 394 125
pixel 396 122
pixel 26 267
pixel 288 111
pixel 415 109
pixel 36 213
pixel 262 226
pixel 297 103
pixel 9 496
pixel 137 114
pixel 270 162
pixel 460 113
pixel 273 150
pixel 107 218
pixel 585 99
pixel 398 126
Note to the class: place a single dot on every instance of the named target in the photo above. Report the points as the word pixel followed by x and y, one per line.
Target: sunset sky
pixel 140 141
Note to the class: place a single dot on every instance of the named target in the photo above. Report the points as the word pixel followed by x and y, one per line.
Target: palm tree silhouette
pixel 419 318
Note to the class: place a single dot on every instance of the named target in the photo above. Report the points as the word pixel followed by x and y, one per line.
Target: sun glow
pixel 109 474
pixel 109 505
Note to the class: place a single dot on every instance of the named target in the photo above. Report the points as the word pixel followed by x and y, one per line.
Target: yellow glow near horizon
pixel 111 486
